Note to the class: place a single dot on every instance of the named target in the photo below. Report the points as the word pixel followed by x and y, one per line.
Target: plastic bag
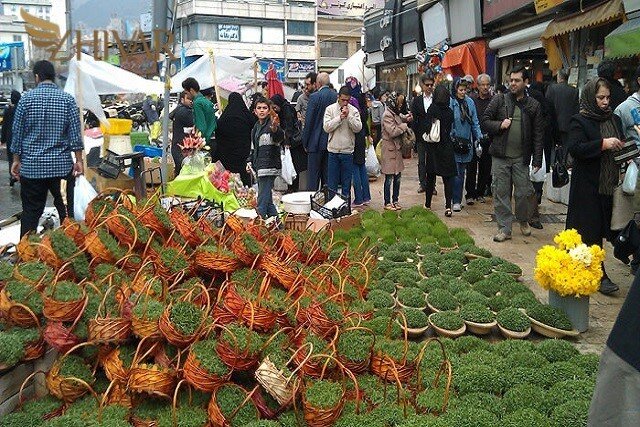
pixel 630 179
pixel 83 193
pixel 288 170
pixel 379 151
pixel 371 162
pixel 541 175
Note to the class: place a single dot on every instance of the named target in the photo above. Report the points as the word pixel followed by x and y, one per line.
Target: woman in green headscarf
pixel 594 136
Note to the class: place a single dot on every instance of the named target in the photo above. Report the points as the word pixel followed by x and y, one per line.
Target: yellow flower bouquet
pixel 570 268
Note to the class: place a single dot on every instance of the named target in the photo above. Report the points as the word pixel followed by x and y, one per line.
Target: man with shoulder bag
pixel 515 123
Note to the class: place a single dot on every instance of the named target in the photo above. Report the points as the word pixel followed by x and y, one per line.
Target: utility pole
pixel 67 12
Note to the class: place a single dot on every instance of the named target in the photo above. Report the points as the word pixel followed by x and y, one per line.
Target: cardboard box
pixel 100 183
pixel 343 223
pixel 119 144
pixel 153 165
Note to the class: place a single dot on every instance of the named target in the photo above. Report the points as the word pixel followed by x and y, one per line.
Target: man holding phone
pixel 342 122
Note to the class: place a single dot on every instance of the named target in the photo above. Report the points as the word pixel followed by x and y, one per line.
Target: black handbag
pixel 461 145
pixel 628 152
pixel 560 174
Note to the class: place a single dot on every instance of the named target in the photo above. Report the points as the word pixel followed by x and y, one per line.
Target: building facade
pixel 280 33
pixel 339 37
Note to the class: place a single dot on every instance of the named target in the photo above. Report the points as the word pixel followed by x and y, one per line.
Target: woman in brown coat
pixel 393 126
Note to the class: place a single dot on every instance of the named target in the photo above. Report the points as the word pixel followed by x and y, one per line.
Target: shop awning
pixel 523 40
pixel 590 17
pixel 623 41
pixel 467 58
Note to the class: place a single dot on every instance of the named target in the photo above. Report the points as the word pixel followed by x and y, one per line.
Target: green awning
pixel 623 41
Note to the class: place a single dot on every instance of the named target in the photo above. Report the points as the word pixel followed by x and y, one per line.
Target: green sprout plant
pixel 416 319
pixel 475 250
pixel 525 300
pixel 73 366
pixel 355 345
pixel 148 309
pixel 12 344
pixel 477 313
pixel 551 316
pixel 487 288
pixel 556 350
pixel 411 297
pixel 33 271
pixel 229 397
pixel 442 300
pixel 452 267
pixel 64 291
pixel 380 299
pixel 173 260
pixel 246 341
pixel 513 319
pixel 66 249
pixel 186 317
pixel 448 320
pixel 471 297
pixel 205 354
pixel 25 294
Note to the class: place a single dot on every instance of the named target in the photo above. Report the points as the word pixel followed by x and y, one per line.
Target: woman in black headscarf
pixel 594 136
pixel 292 138
pixel 441 159
pixel 233 136
pixel 7 123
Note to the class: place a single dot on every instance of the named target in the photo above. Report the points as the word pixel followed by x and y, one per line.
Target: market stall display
pixel 248 326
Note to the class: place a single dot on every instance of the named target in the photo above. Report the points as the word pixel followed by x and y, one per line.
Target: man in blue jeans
pixel 342 122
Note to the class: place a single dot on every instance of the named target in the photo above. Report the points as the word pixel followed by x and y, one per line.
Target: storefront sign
pixel 496 9
pixel 228 32
pixel 544 5
pixel 352 8
pixel 299 69
pixel 140 64
pixel 278 64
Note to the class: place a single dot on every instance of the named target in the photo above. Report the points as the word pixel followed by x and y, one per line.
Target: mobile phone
pixel 636 116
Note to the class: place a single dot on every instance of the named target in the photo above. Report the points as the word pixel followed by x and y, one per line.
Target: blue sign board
pixel 8 51
pixel 278 65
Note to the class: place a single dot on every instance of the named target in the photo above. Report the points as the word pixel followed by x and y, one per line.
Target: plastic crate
pixel 117 127
pixel 139 138
pixel 148 150
pixel 322 197
pixel 296 222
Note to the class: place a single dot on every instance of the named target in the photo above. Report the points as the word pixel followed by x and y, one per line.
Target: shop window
pixel 273 35
pixel 206 31
pixel 192 32
pixel 17 38
pixel 358 46
pixel 301 42
pixel 250 34
pixel 334 49
pixel 300 28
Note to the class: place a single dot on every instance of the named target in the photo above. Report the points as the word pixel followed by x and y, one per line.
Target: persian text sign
pixel 299 69
pixel 353 8
pixel 229 32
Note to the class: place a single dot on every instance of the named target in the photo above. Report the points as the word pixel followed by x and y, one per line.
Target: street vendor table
pixel 198 185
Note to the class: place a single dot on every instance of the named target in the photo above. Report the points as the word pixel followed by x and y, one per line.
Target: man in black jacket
pixel 607 70
pixel 182 118
pixel 565 104
pixel 419 107
pixel 515 122
pixel 483 165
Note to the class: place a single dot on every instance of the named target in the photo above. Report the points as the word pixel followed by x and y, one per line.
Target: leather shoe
pixel 536 224
pixel 607 287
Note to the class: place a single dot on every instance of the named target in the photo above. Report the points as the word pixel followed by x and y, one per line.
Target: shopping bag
pixel 630 179
pixel 541 175
pixel 83 193
pixel 371 162
pixel 288 170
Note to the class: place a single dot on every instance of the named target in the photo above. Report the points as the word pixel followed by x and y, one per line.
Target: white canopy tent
pixel 89 78
pixel 354 67
pixel 227 68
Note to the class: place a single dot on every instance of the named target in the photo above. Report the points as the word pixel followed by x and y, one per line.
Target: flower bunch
pixel 193 141
pixel 571 268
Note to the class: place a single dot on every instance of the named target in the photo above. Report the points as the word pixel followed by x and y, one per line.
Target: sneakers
pixel 470 201
pixel 607 287
pixel 397 206
pixel 526 230
pixel 357 205
pixel 390 207
pixel 457 207
pixel 501 237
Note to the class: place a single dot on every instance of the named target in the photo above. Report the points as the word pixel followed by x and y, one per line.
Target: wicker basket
pixel 150 379
pixel 48 255
pixel 199 378
pixel 74 231
pixel 21 399
pixel 234 223
pixel 234 359
pixel 273 380
pixel 186 227
pixel 66 389
pixel 173 335
pixel 113 367
pixel 149 219
pixel 34 350
pixel 27 251
pixel 63 311
pixel 252 315
pixel 108 330
pixel 319 417
pixel 279 269
pixel 98 251
pixel 211 263
pixel 16 313
pixel 362 366
pixel 216 417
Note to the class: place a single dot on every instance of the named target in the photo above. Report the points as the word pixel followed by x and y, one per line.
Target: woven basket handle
pixel 444 366
pixel 244 402
pixel 21 398
pixel 17 305
pixel 273 337
pixel 304 361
